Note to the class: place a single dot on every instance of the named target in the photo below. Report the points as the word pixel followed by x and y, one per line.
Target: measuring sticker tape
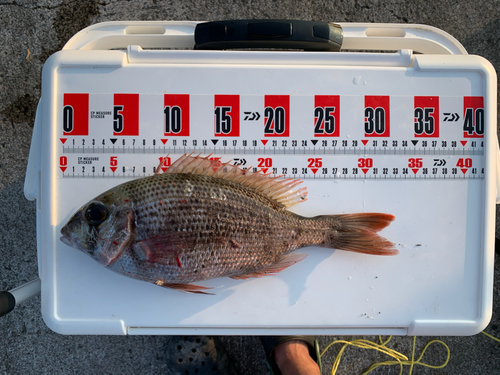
pixel 305 136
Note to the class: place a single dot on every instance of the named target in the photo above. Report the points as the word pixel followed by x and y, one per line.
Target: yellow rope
pixel 400 359
pixel 490 336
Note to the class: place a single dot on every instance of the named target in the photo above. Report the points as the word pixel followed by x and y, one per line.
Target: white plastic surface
pixel 440 284
pixel 180 34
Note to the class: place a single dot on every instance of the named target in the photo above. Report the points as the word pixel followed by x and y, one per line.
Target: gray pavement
pixel 32 30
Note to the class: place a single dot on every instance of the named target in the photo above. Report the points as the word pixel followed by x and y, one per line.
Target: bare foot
pixel 293 358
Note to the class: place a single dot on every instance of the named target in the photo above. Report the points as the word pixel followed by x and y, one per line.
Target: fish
pixel 203 219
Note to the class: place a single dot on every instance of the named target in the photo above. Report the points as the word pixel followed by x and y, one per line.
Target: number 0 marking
pixel 68 119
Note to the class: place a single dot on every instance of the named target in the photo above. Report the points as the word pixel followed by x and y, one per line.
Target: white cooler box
pixel 409 130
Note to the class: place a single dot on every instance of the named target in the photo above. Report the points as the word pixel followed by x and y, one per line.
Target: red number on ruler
pixel 315 162
pixel 113 162
pixel 464 163
pixel 365 163
pixel 415 162
pixel 165 161
pixel 265 162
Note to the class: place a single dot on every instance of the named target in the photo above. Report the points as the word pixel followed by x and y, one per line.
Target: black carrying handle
pixel 282 34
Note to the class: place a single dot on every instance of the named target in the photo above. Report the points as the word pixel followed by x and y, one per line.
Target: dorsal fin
pixel 276 188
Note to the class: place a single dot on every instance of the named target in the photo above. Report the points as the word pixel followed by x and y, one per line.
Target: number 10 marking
pixel 176 115
pixel 173 119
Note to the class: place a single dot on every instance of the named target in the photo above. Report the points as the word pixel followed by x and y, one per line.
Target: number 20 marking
pixel 265 162
pixel 275 123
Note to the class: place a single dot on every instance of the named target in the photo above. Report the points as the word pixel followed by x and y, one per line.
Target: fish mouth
pixel 65 240
pixel 66 236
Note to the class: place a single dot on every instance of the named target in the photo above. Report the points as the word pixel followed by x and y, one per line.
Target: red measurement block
pixel 126 114
pixel 176 115
pixel 326 115
pixel 377 116
pixel 277 116
pixel 426 112
pixel 75 116
pixel 473 117
pixel 227 115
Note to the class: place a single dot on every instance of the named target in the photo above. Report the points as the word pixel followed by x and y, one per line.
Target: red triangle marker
pixel 364 141
pixel 264 141
pixel 164 168
pixel 63 140
pixel 63 168
pixel 113 169
pixel 415 170
pixel 314 170
pixel 464 170
pixel 365 170
pixel 463 143
pixel 164 140
pixel 264 170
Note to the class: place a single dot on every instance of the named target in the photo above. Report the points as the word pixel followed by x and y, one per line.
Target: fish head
pixel 102 228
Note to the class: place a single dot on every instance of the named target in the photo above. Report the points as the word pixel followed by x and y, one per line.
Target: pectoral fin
pixel 273 269
pixel 165 249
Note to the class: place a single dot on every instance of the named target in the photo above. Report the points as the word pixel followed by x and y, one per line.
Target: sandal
pixel 271 342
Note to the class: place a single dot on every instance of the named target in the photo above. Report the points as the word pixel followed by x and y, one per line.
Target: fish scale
pixel 202 220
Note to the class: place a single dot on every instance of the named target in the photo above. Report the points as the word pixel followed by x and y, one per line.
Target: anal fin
pixel 184 287
pixel 273 269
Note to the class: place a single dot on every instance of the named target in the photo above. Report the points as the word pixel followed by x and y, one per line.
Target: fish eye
pixel 96 213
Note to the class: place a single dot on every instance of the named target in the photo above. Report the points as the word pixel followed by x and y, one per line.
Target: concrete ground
pixel 31 30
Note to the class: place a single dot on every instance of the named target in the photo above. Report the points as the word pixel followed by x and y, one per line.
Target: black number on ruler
pixel 474 122
pixel 222 120
pixel 173 115
pixel 325 114
pixel 117 119
pixel 68 118
pixel 424 122
pixel 275 123
pixel 375 120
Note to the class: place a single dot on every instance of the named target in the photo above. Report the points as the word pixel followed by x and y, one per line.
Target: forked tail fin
pixel 358 232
